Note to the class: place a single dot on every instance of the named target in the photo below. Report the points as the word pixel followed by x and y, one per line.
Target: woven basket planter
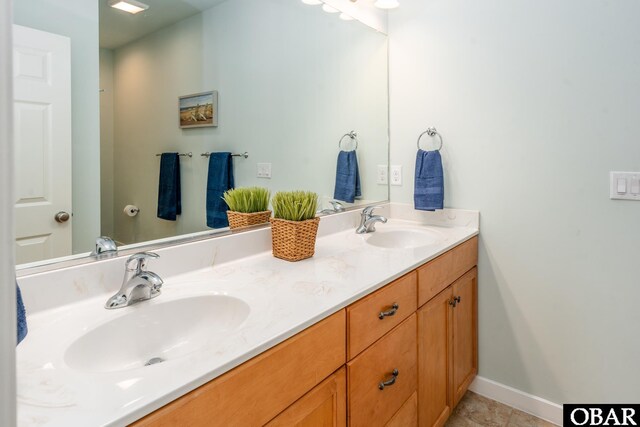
pixel 241 220
pixel 294 240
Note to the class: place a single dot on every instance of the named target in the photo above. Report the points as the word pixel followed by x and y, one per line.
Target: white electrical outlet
pixel 396 175
pixel 383 174
pixel 264 170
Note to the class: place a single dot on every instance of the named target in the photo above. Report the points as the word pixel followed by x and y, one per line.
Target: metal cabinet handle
pixel 62 216
pixel 458 299
pixel 390 381
pixel 391 312
pixel 453 302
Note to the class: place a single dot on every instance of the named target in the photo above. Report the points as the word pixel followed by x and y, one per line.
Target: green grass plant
pixel 295 205
pixel 247 199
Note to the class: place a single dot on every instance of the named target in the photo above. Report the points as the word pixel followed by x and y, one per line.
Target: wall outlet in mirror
pixel 264 170
pixel 382 175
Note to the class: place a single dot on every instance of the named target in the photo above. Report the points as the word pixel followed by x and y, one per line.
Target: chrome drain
pixel 154 361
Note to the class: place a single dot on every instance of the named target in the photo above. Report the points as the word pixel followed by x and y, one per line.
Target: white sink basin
pixel 150 333
pixel 403 238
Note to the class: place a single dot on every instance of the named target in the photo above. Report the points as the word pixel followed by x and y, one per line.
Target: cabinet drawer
pixel 369 405
pixel 407 416
pixel 436 275
pixel 365 320
pixel 258 390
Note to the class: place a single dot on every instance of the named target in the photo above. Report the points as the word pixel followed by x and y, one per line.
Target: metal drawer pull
pixel 394 309
pixel 390 381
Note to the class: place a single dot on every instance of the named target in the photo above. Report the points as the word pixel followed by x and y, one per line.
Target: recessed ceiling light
pixel 329 9
pixel 131 6
pixel 387 4
pixel 346 17
pixel 312 2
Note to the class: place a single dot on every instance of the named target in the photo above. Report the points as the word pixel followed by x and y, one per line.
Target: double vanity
pixel 376 329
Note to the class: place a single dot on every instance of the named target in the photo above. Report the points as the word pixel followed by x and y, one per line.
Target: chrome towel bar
pixel 245 155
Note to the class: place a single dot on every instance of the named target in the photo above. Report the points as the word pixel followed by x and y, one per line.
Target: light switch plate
pixel 396 175
pixel 383 175
pixel 264 170
pixel 624 185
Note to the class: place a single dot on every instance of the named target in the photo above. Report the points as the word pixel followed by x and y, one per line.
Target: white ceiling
pixel 118 28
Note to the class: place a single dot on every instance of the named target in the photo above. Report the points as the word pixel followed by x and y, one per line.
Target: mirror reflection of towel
pixel 169 194
pixel 347 177
pixel 22 316
pixel 428 193
pixel 220 179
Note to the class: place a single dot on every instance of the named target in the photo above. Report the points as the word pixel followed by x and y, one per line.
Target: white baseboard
pixel 525 402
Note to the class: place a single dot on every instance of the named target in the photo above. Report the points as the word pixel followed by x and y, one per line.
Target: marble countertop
pixel 284 298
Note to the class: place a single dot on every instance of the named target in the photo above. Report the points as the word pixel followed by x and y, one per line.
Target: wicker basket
pixel 294 240
pixel 241 220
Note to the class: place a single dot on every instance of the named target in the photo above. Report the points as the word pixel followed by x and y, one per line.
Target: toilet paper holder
pixel 131 210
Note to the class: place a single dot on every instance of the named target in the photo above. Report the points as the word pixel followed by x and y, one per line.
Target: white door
pixel 42 118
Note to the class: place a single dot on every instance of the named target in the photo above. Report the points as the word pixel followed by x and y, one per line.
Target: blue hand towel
pixel 428 193
pixel 347 177
pixel 220 179
pixel 169 195
pixel 22 316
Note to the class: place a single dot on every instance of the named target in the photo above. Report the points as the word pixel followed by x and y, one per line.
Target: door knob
pixel 62 216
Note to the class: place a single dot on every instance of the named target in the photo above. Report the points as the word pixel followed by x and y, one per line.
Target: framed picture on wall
pixel 198 110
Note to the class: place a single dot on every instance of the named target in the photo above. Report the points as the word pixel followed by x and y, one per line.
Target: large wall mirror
pixel 100 93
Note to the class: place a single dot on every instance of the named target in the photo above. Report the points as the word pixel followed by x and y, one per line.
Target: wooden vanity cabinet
pixel 418 335
pixel 447 349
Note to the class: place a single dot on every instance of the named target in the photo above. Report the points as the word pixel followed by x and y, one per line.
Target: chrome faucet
pixel 138 283
pixel 336 208
pixel 105 246
pixel 368 220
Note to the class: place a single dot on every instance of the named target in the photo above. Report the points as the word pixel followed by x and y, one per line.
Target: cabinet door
pixel 434 360
pixel 465 333
pixel 324 406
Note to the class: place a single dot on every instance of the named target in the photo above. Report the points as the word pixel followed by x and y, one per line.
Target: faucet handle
pixel 138 262
pixel 337 206
pixel 369 209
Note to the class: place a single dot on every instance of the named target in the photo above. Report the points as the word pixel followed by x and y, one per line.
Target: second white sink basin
pixel 403 238
pixel 150 333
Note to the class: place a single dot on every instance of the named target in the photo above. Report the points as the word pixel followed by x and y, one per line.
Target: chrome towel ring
pixel 431 132
pixel 354 137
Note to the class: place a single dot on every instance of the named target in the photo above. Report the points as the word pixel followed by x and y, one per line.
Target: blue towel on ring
pixel 22 316
pixel 347 177
pixel 169 194
pixel 219 180
pixel 428 193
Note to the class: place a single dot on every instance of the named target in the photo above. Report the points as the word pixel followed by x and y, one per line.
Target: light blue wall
pixel 537 101
pixel 78 20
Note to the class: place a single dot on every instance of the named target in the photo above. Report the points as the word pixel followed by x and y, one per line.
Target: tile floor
pixel 478 411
